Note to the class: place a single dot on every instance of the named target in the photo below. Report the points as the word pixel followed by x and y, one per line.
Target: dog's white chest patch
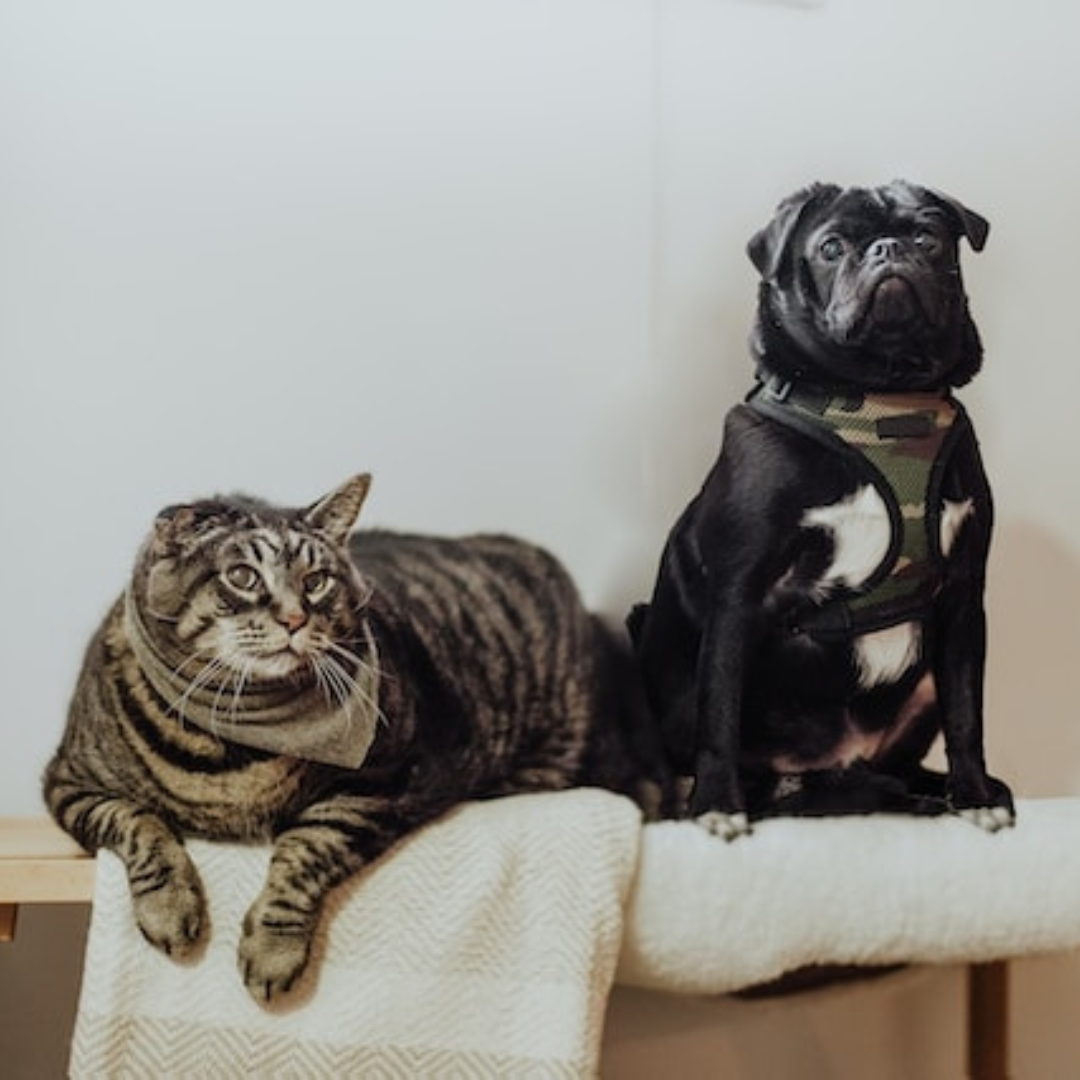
pixel 861 533
pixel 953 516
pixel 882 656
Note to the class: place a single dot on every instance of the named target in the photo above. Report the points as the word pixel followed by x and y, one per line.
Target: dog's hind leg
pixel 853 789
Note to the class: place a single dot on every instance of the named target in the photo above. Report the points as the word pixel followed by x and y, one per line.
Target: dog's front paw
pixel 726 826
pixel 993 811
pixel 991 818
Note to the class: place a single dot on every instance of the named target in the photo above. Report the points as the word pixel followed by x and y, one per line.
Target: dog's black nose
pixel 884 249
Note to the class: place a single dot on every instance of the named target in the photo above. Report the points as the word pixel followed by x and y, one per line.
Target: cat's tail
pixel 625 752
pixel 636 620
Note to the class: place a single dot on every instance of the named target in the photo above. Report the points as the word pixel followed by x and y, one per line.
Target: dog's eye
pixel 832 248
pixel 929 243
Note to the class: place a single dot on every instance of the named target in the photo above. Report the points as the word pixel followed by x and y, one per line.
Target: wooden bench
pixel 40 864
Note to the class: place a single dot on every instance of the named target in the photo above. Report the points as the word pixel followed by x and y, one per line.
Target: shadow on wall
pixel 701 369
pixel 705 369
pixel 1033 730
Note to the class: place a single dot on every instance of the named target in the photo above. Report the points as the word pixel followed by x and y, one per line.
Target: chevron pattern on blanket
pixel 484 945
pixel 164 1048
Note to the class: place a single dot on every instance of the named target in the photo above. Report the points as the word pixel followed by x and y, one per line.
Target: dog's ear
pixel 768 247
pixel 974 226
pixel 966 222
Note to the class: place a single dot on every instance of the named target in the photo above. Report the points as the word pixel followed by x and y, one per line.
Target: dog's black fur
pixel 861 291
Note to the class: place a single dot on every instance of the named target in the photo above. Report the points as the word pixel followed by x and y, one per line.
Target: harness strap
pixel 901 443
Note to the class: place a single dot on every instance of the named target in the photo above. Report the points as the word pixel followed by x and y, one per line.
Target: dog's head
pixel 861 288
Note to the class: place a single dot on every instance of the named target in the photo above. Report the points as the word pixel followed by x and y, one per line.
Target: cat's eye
pixel 316 584
pixel 243 577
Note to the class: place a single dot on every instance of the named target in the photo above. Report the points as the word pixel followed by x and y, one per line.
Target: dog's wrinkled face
pixel 862 287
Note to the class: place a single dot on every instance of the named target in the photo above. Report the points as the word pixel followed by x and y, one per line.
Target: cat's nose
pixel 291 618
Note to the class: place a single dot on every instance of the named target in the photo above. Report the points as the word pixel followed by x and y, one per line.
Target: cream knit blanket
pixel 484 946
pixel 707 917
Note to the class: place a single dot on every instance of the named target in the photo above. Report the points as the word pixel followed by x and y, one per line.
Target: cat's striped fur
pixel 469 666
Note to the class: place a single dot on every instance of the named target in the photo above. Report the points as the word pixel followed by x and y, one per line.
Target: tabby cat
pixel 267 676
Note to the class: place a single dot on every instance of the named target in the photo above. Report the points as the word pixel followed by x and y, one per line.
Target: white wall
pixel 266 245
pixel 493 251
pixel 978 98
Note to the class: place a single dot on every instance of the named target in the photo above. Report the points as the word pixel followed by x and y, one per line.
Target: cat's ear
pixel 171 523
pixel 186 521
pixel 156 576
pixel 336 514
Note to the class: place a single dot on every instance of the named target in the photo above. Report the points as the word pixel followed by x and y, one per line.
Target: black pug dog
pixel 817 618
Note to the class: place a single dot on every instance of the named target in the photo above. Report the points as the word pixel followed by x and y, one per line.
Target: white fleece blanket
pixel 710 917
pixel 484 945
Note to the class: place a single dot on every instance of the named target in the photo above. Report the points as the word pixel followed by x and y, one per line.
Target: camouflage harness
pixel 901 443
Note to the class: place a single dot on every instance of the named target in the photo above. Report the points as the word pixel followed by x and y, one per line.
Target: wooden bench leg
pixel 988 1021
pixel 7 921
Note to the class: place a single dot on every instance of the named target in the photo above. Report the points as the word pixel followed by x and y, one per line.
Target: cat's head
pixel 256 592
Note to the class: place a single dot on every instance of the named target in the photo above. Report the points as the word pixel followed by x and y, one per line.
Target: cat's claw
pixel 172 919
pixel 271 961
pixel 726 826
pixel 990 818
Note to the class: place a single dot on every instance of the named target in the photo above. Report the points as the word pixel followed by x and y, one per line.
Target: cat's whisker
pixel 333 680
pixel 352 688
pixel 358 662
pixel 328 648
pixel 326 687
pixel 328 644
pixel 344 689
pixel 234 678
pixel 218 676
pixel 201 678
pixel 354 660
pixel 195 658
pixel 242 677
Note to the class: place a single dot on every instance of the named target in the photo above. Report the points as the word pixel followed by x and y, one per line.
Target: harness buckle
pixel 779 389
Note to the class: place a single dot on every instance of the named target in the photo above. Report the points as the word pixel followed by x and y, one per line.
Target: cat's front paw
pixel 272 954
pixel 172 916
